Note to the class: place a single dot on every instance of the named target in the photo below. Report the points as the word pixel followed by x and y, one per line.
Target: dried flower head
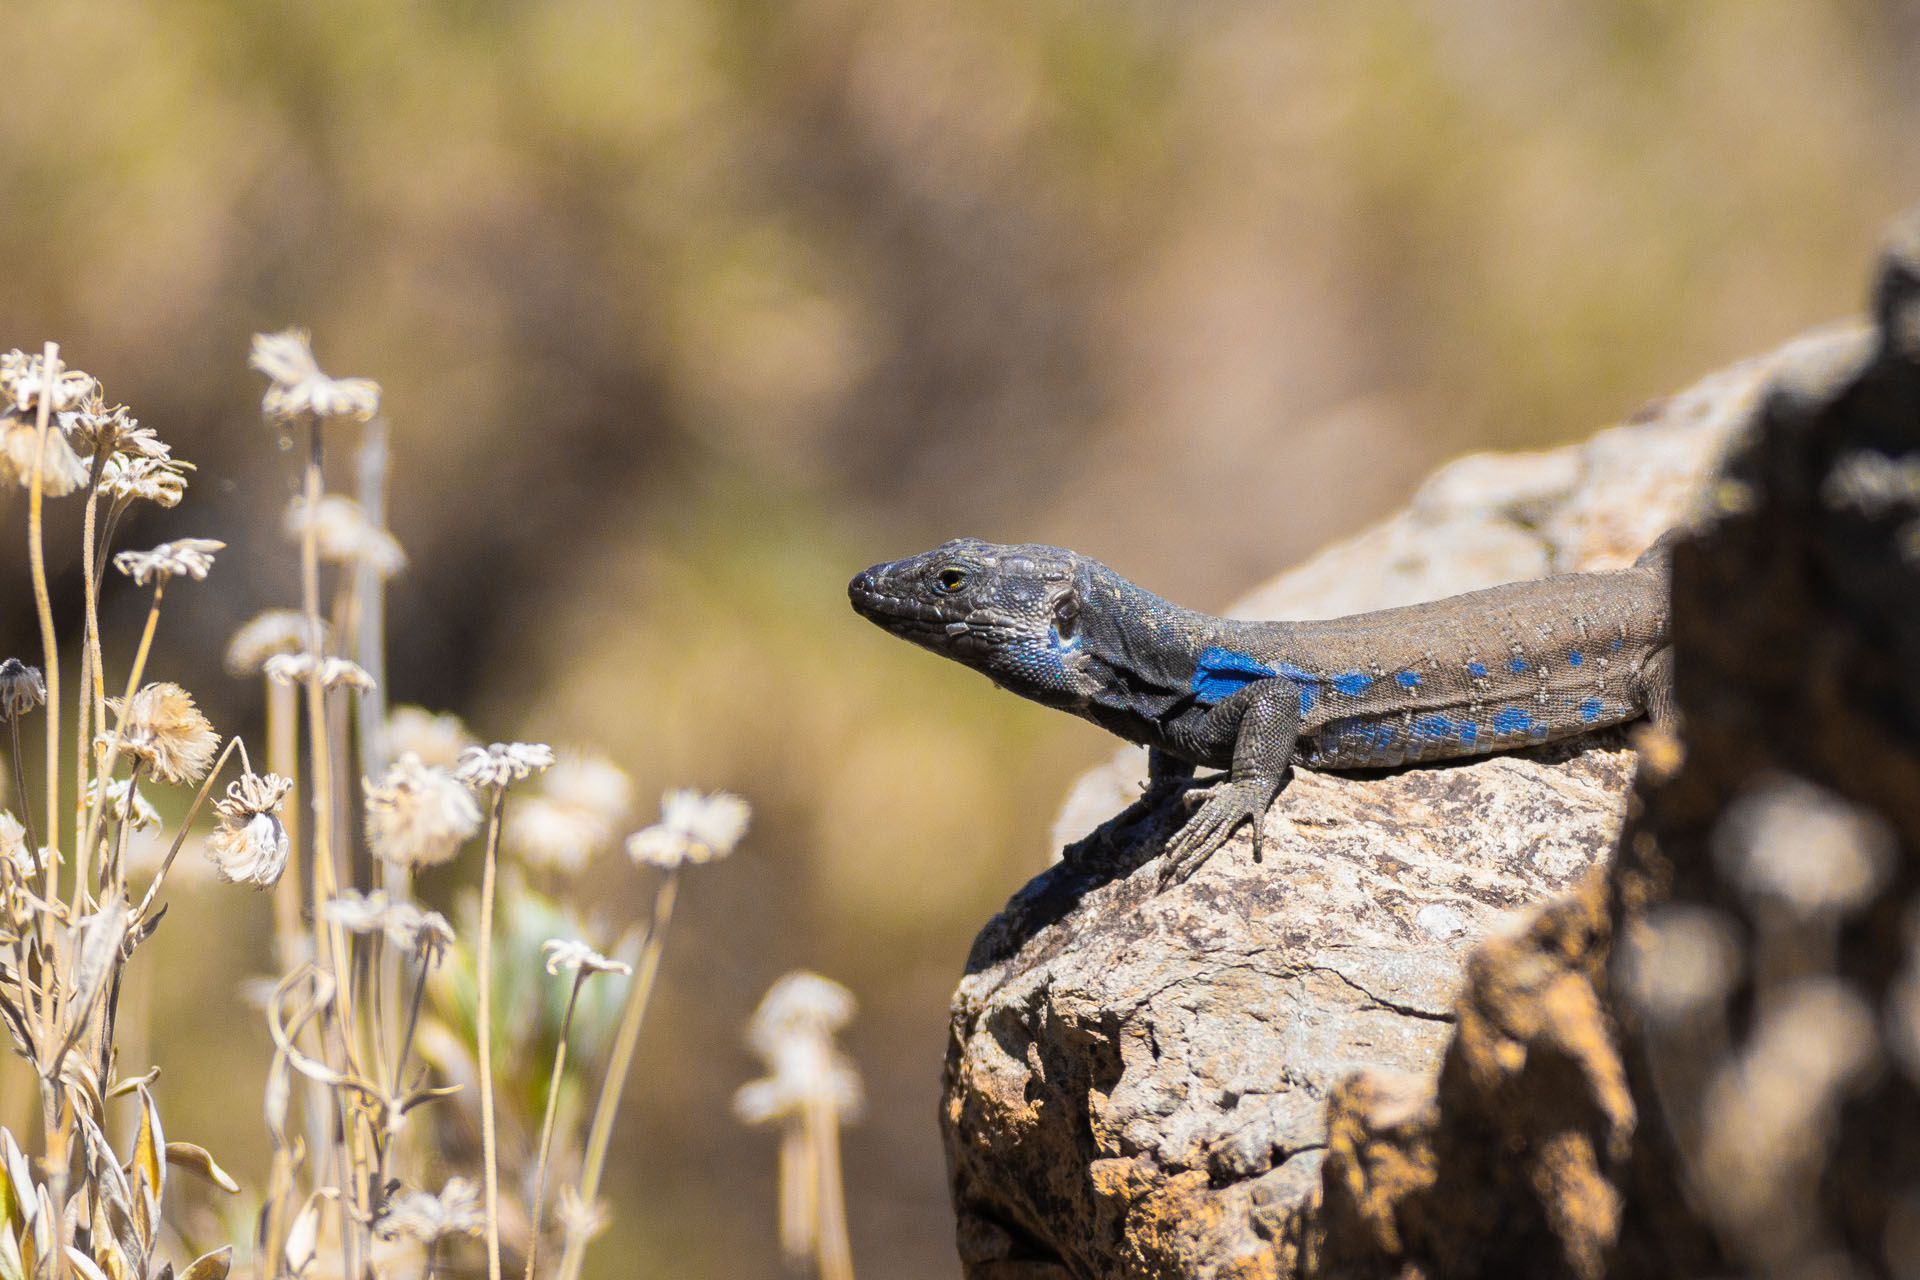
pixel 572 816
pixel 580 1219
pixel 296 668
pixel 793 1031
pixel 23 380
pixel 692 828
pixel 418 814
pixel 143 815
pixel 110 430
pixel 502 763
pixel 274 632
pixel 437 738
pixel 13 846
pixel 407 925
pixel 61 469
pixel 575 956
pixel 800 1003
pixel 22 688
pixel 342 533
pixel 161 481
pixel 161 726
pixel 251 843
pixel 423 1216
pixel 299 387
pixel 183 557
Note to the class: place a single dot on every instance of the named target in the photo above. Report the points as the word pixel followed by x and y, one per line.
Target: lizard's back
pixel 1506 667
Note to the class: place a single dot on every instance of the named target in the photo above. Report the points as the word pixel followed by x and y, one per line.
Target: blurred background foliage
pixel 687 309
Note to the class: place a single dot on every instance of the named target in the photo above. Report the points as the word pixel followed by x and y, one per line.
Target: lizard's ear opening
pixel 1066 613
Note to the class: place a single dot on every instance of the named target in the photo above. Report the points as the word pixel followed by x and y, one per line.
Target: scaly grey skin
pixel 1511 666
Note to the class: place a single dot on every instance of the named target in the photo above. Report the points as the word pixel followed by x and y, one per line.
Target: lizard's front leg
pixel 1263 720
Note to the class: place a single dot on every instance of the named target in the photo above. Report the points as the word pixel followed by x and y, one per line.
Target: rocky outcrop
pixel 1361 1057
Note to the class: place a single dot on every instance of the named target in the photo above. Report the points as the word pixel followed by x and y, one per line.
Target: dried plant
pixel 377 1009
pixel 810 1089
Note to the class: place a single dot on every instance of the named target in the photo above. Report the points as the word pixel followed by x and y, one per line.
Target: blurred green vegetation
pixel 685 310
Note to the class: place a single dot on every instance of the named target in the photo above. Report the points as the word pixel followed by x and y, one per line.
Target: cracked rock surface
pixel 1138 1084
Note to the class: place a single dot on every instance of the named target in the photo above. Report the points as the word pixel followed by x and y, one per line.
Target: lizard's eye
pixel 951 580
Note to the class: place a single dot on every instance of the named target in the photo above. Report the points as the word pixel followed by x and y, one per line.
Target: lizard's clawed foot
pixel 1230 805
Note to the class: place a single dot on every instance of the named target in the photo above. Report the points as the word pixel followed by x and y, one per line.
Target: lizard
pixel 1491 670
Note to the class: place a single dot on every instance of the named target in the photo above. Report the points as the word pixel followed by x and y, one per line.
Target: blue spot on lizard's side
pixel 1575 658
pixel 1590 710
pixel 1222 672
pixel 1352 682
pixel 1438 726
pixel 1477 670
pixel 1408 679
pixel 1309 684
pixel 1517 664
pixel 1512 720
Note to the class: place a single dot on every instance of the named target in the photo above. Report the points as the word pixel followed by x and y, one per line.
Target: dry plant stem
pixel 186 823
pixel 620 1061
pixel 833 1257
pixel 111 865
pixel 92 694
pixel 20 784
pixel 283 758
pixel 483 1022
pixel 329 938
pixel 425 958
pixel 49 643
pixel 546 1127
pixel 370 624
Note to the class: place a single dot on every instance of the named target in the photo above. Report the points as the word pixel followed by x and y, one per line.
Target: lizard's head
pixel 1012 612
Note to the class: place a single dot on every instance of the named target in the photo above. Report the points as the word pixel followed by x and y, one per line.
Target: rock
pixel 1706 1061
pixel 1150 1084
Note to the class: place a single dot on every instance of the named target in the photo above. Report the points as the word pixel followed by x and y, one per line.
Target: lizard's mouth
pixel 902 615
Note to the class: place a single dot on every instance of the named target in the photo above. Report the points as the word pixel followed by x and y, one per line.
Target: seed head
pixel 575 956
pixel 22 688
pixel 23 380
pixel 793 1031
pixel 578 1218
pixel 800 1003
pixel 296 668
pixel 144 816
pixel 251 845
pixel 437 738
pixel 692 828
pixel 502 763
pixel 407 925
pixel 572 816
pixel 184 557
pixel 13 846
pixel 342 533
pixel 299 387
pixel 423 1216
pixel 162 481
pixel 418 814
pixel 274 632
pixel 161 725
pixel 61 469
pixel 111 431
